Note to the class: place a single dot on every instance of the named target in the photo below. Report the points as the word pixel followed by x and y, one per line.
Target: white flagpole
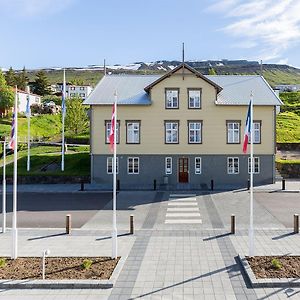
pixel 14 253
pixel 114 231
pixel 63 124
pixel 4 188
pixel 28 134
pixel 251 230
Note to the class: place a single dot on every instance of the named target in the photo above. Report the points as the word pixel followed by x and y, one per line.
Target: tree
pixel 41 85
pixel 76 81
pixel 6 94
pixel 10 77
pixel 22 79
pixel 76 116
pixel 212 71
pixel 53 98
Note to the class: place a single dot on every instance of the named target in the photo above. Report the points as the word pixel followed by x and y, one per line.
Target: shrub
pixel 87 263
pixel 276 264
pixel 2 262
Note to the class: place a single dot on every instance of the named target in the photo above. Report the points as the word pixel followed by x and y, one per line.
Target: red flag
pixel 112 129
pixel 247 129
pixel 11 143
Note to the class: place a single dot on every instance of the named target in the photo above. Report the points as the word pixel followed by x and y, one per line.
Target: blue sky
pixel 48 33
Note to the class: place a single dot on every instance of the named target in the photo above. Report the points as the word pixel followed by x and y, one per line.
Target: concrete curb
pixel 65 283
pixel 266 282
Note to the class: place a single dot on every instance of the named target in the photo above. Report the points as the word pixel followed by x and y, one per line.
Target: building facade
pixel 22 99
pixel 81 91
pixel 182 130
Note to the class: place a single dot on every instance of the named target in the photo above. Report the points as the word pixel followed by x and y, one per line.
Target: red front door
pixel 183 166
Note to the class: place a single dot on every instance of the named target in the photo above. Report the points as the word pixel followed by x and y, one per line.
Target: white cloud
pixel 32 8
pixel 283 61
pixel 271 26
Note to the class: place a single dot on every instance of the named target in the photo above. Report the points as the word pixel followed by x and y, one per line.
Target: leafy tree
pixel 76 81
pixel 53 98
pixel 212 71
pixel 76 116
pixel 6 94
pixel 21 79
pixel 41 85
pixel 10 77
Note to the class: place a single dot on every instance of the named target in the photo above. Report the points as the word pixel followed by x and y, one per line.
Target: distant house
pixel 287 87
pixel 81 91
pixel 182 129
pixel 22 98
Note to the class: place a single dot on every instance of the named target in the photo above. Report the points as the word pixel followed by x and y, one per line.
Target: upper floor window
pixel 233 165
pixel 133 132
pixel 82 88
pixel 133 165
pixel 195 132
pixel 256 132
pixel 233 132
pixel 172 98
pixel 194 98
pixel 168 165
pixel 171 132
pixel 110 164
pixel 256 166
pixel 72 88
pixel 107 131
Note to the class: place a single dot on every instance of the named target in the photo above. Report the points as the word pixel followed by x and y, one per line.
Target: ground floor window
pixel 232 165
pixel 133 165
pixel 110 163
pixel 197 165
pixel 256 165
pixel 168 165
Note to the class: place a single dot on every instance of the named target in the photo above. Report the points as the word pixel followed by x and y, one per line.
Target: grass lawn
pixel 77 161
pixel 288 127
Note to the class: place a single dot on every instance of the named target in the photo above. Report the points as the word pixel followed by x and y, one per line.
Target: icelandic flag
pixel 112 128
pixel 11 144
pixel 247 129
pixel 28 111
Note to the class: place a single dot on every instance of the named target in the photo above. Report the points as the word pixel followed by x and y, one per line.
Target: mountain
pixel 274 73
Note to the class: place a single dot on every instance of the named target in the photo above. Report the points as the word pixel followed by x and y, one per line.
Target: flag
pixel 247 129
pixel 28 112
pixel 112 129
pixel 11 144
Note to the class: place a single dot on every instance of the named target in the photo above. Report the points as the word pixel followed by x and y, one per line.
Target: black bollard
pixel 82 186
pixel 154 184
pixel 283 184
pixel 248 185
pixel 118 184
pixel 212 185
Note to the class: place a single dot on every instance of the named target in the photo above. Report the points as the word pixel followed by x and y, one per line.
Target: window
pixel 72 88
pixel 107 131
pixel 172 100
pixel 256 165
pixel 198 165
pixel 171 133
pixel 256 132
pixel 82 94
pixel 72 94
pixel 133 165
pixel 232 165
pixel 195 132
pixel 194 98
pixel 233 132
pixel 133 132
pixel 168 164
pixel 110 163
pixel 82 88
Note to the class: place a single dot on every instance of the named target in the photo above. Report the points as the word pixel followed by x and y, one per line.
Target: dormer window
pixel 172 98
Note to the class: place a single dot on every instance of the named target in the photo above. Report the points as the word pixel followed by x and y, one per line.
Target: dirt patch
pixel 57 268
pixel 275 266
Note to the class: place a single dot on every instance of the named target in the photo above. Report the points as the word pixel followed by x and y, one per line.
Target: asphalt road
pixel 49 210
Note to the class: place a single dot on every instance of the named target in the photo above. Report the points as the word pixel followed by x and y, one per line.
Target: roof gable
pixel 184 66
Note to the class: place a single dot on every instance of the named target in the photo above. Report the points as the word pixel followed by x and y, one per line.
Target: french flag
pixel 112 128
pixel 247 129
pixel 11 144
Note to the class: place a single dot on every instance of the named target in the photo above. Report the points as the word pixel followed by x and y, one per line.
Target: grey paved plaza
pixel 181 248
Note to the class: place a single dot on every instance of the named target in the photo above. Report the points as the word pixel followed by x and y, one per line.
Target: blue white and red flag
pixel 247 129
pixel 112 129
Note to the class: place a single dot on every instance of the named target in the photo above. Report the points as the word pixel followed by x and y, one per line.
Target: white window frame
pixel 133 161
pixel 168 165
pixel 233 134
pixel 233 161
pixel 172 98
pixel 132 132
pixel 198 170
pixel 256 165
pixel 195 130
pixel 107 131
pixel 171 131
pixel 256 129
pixel 110 164
pixel 192 98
